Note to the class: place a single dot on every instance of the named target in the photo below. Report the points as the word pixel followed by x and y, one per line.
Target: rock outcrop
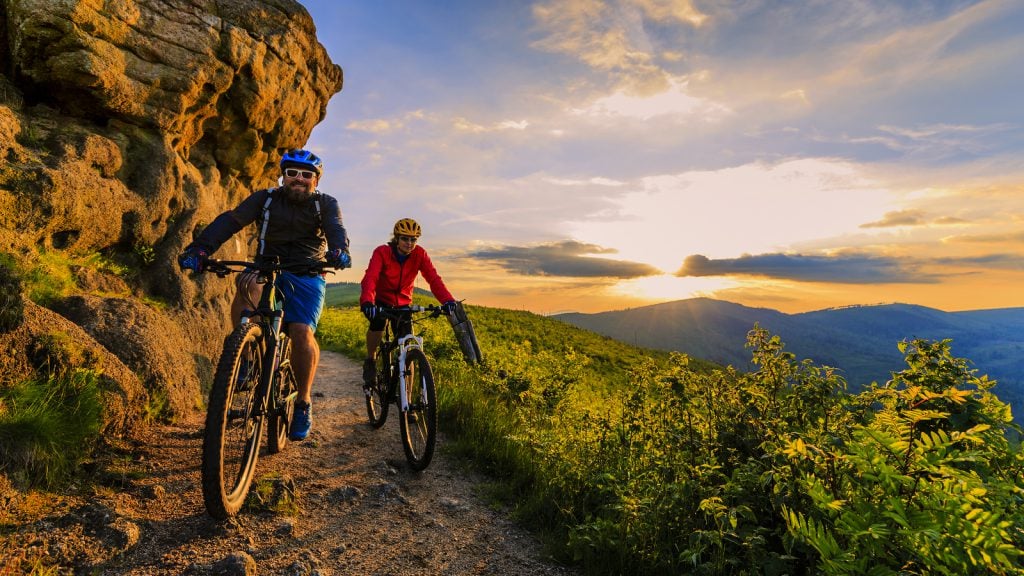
pixel 126 126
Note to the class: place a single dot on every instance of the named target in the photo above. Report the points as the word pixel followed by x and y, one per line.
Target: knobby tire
pixel 377 395
pixel 231 442
pixel 418 425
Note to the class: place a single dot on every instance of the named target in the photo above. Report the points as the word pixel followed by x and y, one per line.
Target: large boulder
pixel 126 126
pixel 147 341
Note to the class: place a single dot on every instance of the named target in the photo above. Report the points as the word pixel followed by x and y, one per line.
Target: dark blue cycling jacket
pixel 297 232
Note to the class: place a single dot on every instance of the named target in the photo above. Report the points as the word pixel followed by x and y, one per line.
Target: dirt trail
pixel 362 511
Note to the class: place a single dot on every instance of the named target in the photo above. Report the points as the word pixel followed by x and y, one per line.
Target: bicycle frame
pixel 404 344
pixel 271 313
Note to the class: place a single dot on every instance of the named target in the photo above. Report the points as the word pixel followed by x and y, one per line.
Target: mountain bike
pixel 403 377
pixel 254 387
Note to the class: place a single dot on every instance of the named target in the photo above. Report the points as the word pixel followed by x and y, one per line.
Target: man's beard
pixel 296 192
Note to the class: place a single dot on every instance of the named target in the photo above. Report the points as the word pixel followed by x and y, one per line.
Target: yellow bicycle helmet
pixel 407 227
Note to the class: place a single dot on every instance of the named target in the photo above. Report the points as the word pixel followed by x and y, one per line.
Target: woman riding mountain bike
pixel 388 282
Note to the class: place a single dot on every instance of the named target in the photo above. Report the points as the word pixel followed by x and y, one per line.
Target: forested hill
pixel 860 340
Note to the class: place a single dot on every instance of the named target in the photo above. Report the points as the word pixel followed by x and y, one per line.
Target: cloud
pixel 385 125
pixel 996 261
pixel 615 37
pixel 459 123
pixel 951 221
pixel 464 125
pixel 568 258
pixel 848 72
pixel 843 269
pixel 1009 237
pixel 373 125
pixel 912 217
pixel 898 218
pixel 674 100
pixel 595 181
pixel 938 141
pixel 668 10
pixel 751 208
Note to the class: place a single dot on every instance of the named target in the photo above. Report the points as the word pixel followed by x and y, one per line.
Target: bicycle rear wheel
pixel 377 393
pixel 282 405
pixel 418 424
pixel 231 441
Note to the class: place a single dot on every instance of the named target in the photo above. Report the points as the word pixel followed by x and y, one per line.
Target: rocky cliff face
pixel 125 126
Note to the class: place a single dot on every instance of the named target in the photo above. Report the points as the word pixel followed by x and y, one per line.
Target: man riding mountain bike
pixel 389 280
pixel 302 227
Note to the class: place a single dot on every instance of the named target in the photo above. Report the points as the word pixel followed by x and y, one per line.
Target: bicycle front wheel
pixel 418 424
pixel 231 441
pixel 377 393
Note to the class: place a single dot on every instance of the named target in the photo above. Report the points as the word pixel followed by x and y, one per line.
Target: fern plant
pixel 927 483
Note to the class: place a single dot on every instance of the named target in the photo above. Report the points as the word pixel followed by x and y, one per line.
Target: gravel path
pixel 361 510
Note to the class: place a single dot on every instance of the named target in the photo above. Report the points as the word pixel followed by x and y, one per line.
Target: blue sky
pixel 580 155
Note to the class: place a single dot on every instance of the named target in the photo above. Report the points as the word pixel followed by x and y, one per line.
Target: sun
pixel 668 287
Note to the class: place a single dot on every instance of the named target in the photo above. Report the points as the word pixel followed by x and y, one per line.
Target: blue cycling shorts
pixel 303 297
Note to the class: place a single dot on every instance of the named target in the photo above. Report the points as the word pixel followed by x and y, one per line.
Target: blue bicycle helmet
pixel 303 158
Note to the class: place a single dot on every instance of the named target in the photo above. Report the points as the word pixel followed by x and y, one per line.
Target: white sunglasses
pixel 295 172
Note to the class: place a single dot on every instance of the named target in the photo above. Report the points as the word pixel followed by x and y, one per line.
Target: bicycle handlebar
pixel 224 267
pixel 395 311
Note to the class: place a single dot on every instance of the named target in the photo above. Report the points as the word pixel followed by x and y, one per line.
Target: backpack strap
pixel 265 221
pixel 319 216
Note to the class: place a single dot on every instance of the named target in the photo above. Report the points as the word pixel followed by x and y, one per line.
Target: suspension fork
pixel 405 343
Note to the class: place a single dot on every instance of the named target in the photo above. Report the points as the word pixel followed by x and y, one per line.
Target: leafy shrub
pixel 927 483
pixel 638 463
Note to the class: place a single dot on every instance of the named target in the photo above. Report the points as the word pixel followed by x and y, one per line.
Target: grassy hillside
pixel 632 461
pixel 342 294
pixel 499 331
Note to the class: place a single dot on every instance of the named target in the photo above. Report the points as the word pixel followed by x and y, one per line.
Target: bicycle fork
pixel 405 344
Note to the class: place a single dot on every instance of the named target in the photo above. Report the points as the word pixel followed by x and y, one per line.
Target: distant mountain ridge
pixel 859 340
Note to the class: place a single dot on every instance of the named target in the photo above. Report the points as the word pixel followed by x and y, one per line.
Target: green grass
pixel 344 294
pixel 273 493
pixel 50 278
pixel 49 275
pixel 48 426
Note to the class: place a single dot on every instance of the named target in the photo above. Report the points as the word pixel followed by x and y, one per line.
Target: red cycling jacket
pixel 388 283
